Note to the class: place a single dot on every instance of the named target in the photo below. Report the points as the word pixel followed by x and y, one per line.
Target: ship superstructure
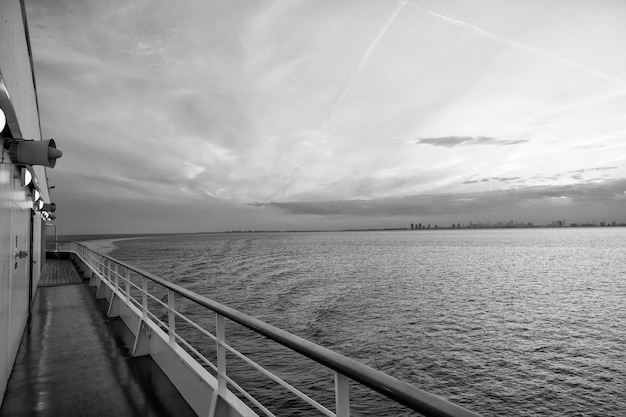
pixel 24 189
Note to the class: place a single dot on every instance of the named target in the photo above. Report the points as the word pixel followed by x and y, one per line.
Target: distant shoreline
pixel 120 236
pixel 86 237
pixel 573 226
pixel 106 243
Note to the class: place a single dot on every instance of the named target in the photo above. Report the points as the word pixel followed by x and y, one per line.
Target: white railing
pixel 155 297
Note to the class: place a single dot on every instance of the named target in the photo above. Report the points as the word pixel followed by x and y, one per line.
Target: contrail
pixel 341 95
pixel 520 45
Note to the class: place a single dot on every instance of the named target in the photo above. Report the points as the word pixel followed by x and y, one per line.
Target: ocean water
pixel 515 322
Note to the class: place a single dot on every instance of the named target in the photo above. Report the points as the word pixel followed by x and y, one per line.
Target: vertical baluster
pixel 221 353
pixel 117 282
pixel 144 297
pixel 127 285
pixel 171 317
pixel 342 395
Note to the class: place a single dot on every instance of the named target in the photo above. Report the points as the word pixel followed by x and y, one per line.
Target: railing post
pixel 127 284
pixel 171 317
pixel 342 395
pixel 221 353
pixel 144 298
pixel 115 272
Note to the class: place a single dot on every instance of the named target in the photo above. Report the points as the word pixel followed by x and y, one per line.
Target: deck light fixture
pixel 50 208
pixel 27 177
pixel 3 120
pixel 48 217
pixel 33 152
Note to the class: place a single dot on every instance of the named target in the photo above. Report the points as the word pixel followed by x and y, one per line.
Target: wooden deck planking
pixel 59 272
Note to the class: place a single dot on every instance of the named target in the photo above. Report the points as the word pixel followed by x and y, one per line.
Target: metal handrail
pixel 402 392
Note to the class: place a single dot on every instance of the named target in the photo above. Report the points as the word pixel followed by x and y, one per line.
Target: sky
pixel 193 115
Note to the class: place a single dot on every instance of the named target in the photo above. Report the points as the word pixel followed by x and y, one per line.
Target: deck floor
pixel 70 362
pixel 59 272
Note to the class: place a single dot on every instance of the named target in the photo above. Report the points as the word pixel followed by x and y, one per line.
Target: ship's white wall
pixel 15 233
pixel 16 69
pixel 14 271
pixel 38 255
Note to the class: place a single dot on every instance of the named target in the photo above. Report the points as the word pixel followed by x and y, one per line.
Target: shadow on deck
pixel 72 359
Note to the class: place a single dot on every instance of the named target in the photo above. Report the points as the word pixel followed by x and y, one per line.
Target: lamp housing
pixel 26 176
pixel 50 207
pixel 33 152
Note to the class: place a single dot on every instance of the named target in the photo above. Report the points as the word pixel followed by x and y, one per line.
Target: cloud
pixel 594 169
pixel 495 204
pixel 345 90
pixel 498 179
pixel 459 141
pixel 143 48
pixel 584 175
pixel 192 170
pixel 521 45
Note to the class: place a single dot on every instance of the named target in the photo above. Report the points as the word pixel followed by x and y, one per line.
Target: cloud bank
pixel 460 141
pixel 531 202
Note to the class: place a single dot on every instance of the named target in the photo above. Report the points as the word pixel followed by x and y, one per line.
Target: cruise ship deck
pixel 129 342
pixel 71 363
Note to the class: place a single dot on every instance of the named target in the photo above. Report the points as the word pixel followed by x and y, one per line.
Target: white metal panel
pixel 6 363
pixel 38 256
pixel 14 264
pixel 16 71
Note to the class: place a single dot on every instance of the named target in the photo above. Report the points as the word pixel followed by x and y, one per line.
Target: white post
pixel 221 353
pixel 171 317
pixel 144 298
pixel 342 395
pixel 127 285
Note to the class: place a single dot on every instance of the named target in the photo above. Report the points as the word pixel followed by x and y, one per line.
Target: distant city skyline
pixel 514 224
pixel 454 226
pixel 331 114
